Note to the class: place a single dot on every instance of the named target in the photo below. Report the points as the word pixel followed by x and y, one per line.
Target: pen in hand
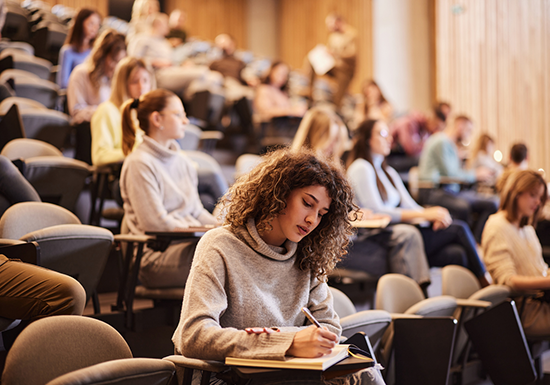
pixel 310 317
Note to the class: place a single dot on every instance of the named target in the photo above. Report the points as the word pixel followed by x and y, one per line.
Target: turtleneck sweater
pixel 509 250
pixel 362 177
pixel 238 281
pixel 159 188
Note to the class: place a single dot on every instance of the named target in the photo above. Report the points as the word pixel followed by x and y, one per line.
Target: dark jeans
pixel 454 245
pixel 462 205
pixel 14 188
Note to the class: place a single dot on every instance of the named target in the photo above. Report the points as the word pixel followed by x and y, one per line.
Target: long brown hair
pixel 516 184
pixel 109 44
pixel 155 100
pixel 361 149
pixel 262 193
pixel 267 78
pixel 75 37
pixel 381 99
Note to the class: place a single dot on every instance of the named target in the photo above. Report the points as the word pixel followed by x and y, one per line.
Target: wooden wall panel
pixel 208 18
pixel 302 27
pixel 101 5
pixel 492 61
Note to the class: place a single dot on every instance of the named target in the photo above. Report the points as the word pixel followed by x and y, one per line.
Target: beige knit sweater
pixel 509 251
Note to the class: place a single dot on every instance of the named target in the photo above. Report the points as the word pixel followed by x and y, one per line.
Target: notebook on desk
pixel 339 353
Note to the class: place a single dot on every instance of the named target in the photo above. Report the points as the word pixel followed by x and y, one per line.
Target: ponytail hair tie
pixel 135 104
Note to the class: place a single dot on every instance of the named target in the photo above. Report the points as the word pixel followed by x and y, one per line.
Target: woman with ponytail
pixel 159 185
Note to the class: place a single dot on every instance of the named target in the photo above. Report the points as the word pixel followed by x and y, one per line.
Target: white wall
pixel 402 52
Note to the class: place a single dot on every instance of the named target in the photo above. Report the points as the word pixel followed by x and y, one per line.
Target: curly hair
pixel 262 194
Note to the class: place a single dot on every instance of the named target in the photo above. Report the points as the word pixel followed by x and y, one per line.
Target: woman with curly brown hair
pixel 287 224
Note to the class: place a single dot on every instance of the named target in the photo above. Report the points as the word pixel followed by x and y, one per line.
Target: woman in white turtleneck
pixel 379 188
pixel 158 184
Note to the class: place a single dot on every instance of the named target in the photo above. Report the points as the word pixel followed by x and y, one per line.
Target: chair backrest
pixel 47 125
pixel 11 126
pixel 19 45
pixel 29 148
pixel 17 59
pixel 26 217
pixel 53 346
pixel 6 104
pixel 459 282
pixel 371 322
pixel 190 142
pixel 126 371
pixel 492 293
pixel 341 303
pixel 57 179
pixel 396 293
pixel 245 163
pixel 41 90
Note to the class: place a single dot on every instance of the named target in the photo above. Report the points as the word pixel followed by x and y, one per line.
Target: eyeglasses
pixel 178 114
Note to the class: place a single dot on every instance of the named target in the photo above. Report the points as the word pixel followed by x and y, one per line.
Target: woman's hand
pixel 439 216
pixel 312 342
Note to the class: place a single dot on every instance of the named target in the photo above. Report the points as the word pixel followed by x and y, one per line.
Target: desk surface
pixel 189 232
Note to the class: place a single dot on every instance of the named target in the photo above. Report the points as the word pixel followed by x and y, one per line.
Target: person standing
pixel 341 45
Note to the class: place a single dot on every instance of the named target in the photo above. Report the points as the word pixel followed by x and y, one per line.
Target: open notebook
pixel 339 353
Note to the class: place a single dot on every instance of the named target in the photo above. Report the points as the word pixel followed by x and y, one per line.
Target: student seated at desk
pixel 378 187
pixel 131 80
pixel 159 185
pixel 287 224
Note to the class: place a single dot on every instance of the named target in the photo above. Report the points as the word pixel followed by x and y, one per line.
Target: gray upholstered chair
pixel 66 245
pixel 71 350
pixel 45 124
pixel 472 299
pixel 212 182
pixel 371 322
pixel 11 58
pixel 28 85
pixel 403 297
pixel 6 104
pixel 56 178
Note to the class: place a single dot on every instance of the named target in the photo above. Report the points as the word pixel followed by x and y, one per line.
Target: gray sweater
pixel 239 281
pixel 159 189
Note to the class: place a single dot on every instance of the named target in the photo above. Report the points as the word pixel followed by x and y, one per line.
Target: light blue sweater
pixel 440 158
pixel 68 59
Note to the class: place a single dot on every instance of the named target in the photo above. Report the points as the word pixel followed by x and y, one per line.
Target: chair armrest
pixel 214 135
pixel 28 252
pixel 395 316
pixel 474 303
pixel 132 238
pixel 9 242
pixel 196 364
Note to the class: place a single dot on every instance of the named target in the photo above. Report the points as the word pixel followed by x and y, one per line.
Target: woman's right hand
pixel 438 214
pixel 312 342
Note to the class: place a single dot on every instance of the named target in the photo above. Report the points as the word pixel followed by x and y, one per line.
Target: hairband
pixel 135 103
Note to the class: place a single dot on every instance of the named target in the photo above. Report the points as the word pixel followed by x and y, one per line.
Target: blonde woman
pixel 324 132
pixel 131 80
